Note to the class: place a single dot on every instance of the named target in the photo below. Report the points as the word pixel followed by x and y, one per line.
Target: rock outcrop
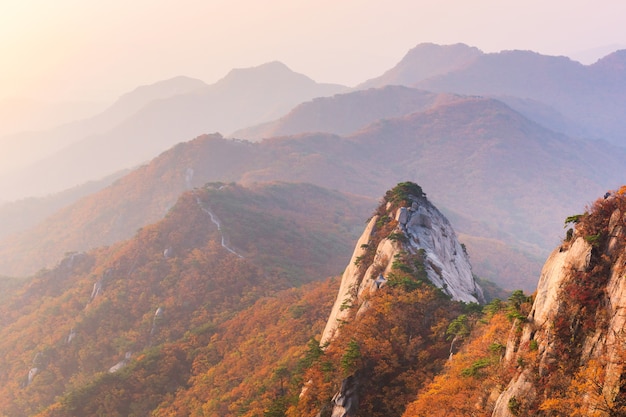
pixel 416 227
pixel 574 333
pixel 407 233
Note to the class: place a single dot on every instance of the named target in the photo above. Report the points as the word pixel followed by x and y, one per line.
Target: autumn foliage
pixel 74 322
pixel 463 388
pixel 238 336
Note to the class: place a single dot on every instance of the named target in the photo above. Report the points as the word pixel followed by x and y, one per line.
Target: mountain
pixel 558 352
pixel 407 245
pixel 575 327
pixel 382 340
pixel 169 113
pixel 425 61
pixel 589 95
pixel 41 143
pixel 586 100
pixel 319 116
pixel 135 100
pixel 250 86
pixel 406 225
pixel 343 114
pixel 244 366
pixel 197 314
pixel 455 149
pixel 152 304
pixel 141 197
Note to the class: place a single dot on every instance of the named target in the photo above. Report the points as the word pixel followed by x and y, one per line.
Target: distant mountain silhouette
pixel 589 99
pixel 424 61
pixel 41 143
pixel 244 97
pixel 343 114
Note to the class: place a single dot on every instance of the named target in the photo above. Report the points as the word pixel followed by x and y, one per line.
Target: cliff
pixel 569 351
pixel 414 226
pixel 408 278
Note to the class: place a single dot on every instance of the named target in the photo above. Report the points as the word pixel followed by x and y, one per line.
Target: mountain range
pixel 280 237
pixel 585 100
pixel 41 143
pixel 194 284
pixel 343 114
pixel 151 119
pixel 464 143
pixel 182 299
pixel 578 100
pixel 195 314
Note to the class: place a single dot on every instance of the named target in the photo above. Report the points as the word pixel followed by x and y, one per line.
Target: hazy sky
pixel 99 49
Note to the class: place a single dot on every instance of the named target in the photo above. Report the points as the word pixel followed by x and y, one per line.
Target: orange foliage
pixel 199 285
pixel 402 344
pixel 463 388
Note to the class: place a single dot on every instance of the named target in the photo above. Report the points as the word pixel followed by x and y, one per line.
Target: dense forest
pixel 191 319
pixel 152 297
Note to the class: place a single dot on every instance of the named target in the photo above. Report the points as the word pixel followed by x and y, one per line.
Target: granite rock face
pixel 420 227
pixel 404 225
pixel 600 260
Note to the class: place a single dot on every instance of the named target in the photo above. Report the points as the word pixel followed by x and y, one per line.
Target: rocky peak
pixel 407 245
pixel 409 233
pixel 569 350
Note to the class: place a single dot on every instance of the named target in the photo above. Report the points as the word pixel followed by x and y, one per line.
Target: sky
pixel 95 50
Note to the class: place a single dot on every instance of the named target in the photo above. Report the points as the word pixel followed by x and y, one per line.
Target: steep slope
pixel 407 263
pixel 242 367
pixel 474 375
pixel 146 300
pixel 242 98
pixel 416 227
pixel 561 353
pixel 571 346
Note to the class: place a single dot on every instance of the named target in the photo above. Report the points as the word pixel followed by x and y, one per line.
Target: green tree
pixel 350 359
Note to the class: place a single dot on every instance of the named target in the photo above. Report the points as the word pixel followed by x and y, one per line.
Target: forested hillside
pixel 72 326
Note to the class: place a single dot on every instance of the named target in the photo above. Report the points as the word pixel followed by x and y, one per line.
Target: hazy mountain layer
pixel 475 156
pixel 154 118
pixel 424 61
pixel 588 100
pixel 22 149
pixel 343 114
pixel 24 214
